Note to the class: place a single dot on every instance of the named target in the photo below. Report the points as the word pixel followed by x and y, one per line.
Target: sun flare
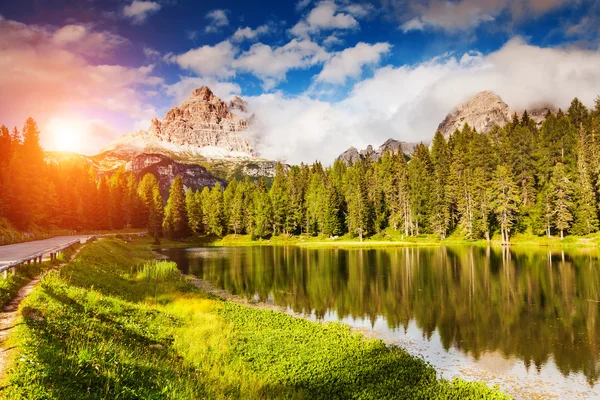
pixel 66 134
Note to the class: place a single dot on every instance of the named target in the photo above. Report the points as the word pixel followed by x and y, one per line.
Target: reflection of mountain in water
pixel 528 304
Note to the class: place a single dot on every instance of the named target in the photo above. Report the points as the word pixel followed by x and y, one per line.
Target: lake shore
pixel 464 369
pixel 386 240
pixel 113 323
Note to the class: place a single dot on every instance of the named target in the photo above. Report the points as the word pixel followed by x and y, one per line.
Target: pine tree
pixel 332 212
pixel 102 214
pixel 279 201
pixel 175 224
pixel 314 203
pixel 359 217
pixel 586 212
pixel 27 171
pixel 504 196
pixel 6 150
pixel 228 196
pixel 194 211
pixel 481 198
pixel 248 207
pixel 562 197
pixel 205 207
pixel 262 210
pixel 419 179
pixel 389 174
pixel 236 215
pixel 156 214
pixel 215 223
pixel 545 212
pixel 522 161
pixel 376 196
pixel 295 201
pixel 149 194
pixel 578 113
pixel 440 208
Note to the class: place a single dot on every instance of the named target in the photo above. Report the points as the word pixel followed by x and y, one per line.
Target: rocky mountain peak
pixel 486 109
pixel 481 112
pixel 238 104
pixel 204 93
pixel 352 155
pixel 202 126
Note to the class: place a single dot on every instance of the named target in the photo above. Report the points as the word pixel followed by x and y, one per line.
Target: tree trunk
pixel 487 236
pixel 561 235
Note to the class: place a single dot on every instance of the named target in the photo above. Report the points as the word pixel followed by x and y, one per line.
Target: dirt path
pixel 9 313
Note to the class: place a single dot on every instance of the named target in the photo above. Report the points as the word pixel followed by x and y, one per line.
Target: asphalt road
pixel 18 251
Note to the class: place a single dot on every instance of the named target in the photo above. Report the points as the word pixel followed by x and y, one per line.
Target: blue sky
pixel 353 73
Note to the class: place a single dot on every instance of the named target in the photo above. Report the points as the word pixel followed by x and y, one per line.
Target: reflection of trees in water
pixel 530 304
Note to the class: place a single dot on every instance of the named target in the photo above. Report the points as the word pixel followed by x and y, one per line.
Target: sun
pixel 65 134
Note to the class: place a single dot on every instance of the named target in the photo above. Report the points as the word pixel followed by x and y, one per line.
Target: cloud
pixel 358 10
pixel 408 102
pixel 349 62
pixel 272 64
pixel 83 40
pixel 218 19
pixel 302 4
pixel 332 40
pixel 249 33
pixel 46 72
pixel 151 54
pixel 208 60
pixel 325 16
pixel 139 11
pixel 463 15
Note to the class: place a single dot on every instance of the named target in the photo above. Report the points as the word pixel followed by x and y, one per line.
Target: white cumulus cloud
pixel 408 102
pixel 208 60
pixel 349 62
pixel 248 33
pixel 138 11
pixel 271 64
pixel 218 19
pixel 462 15
pixel 325 16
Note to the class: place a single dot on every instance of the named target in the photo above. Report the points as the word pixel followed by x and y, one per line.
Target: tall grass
pixel 157 271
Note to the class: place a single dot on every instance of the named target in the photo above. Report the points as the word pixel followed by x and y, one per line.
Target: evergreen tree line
pixel 522 177
pixel 38 193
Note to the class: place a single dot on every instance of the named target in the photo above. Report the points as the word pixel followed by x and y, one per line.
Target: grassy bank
pixel 10 285
pixel 114 325
pixel 390 239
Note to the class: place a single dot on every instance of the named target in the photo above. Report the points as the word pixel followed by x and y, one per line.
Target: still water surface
pixel 526 319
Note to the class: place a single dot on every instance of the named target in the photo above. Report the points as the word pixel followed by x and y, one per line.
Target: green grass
pixel 114 325
pixel 390 238
pixel 10 285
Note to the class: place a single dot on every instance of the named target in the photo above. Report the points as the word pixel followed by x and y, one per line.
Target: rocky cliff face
pixel 481 112
pixel 485 110
pixel 352 155
pixel 165 170
pixel 204 125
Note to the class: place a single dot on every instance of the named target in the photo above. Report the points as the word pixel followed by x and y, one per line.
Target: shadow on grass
pixel 125 356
